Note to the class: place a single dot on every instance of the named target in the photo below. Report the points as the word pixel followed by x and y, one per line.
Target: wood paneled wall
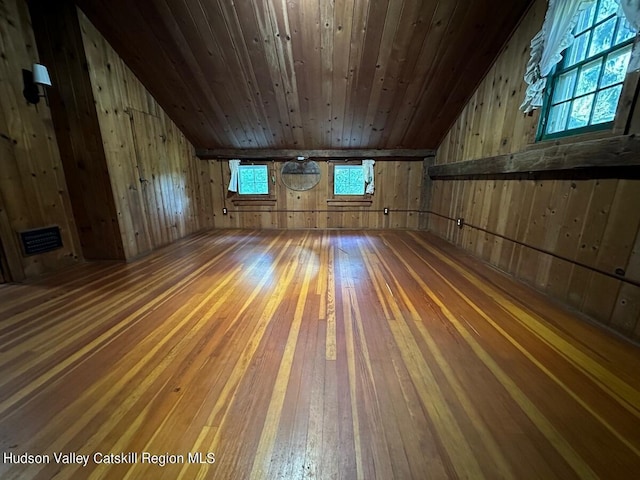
pixel 397 187
pixel 33 191
pixel 73 110
pixel 152 167
pixel 588 221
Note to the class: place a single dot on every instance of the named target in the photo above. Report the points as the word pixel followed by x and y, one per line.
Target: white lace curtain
pixel 547 47
pixel 554 37
pixel 631 9
pixel 233 183
pixel 367 165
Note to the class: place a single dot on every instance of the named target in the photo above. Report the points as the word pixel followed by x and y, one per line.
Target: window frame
pixel 262 199
pixel 245 165
pixel 334 200
pixel 560 69
pixel 349 167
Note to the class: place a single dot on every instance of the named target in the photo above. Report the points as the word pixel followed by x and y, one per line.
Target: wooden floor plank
pixel 309 354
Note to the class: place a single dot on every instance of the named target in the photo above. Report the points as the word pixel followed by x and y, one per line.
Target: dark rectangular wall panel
pixel 41 240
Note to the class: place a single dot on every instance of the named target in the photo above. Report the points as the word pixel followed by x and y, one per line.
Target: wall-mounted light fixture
pixel 32 81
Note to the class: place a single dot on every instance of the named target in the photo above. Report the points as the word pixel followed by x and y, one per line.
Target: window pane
pixel 588 77
pixel 580 112
pixel 261 174
pixel 348 180
pixel 606 105
pixel 253 180
pixel 557 119
pixel 602 37
pixel 578 50
pixel 615 68
pixel 607 8
pixel 586 86
pixel 585 19
pixel 563 89
pixel 246 175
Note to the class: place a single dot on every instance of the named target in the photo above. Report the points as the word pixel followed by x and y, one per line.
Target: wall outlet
pixel 385 211
pixel 460 222
pixel 224 210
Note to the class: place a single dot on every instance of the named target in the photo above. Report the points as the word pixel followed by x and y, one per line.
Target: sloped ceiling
pixel 309 74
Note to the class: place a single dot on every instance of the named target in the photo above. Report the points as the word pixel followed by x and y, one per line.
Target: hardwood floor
pixel 307 354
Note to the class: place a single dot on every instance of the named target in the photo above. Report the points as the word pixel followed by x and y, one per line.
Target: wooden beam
pixel 276 154
pixel 9 251
pixel 619 151
pixel 58 35
pixel 9 246
pixel 425 193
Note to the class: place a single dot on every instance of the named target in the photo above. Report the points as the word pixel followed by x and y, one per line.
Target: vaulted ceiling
pixel 309 74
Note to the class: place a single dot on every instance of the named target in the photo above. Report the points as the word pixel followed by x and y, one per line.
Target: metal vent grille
pixel 41 240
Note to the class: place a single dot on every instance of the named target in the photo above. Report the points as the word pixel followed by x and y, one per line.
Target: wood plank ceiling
pixel 309 74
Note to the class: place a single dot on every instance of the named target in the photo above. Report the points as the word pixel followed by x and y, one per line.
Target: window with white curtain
pixel 583 90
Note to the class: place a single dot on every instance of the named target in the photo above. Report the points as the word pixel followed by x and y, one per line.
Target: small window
pixel 348 180
pixel 585 88
pixel 253 180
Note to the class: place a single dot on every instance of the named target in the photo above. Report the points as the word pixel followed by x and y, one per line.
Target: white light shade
pixel 41 75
